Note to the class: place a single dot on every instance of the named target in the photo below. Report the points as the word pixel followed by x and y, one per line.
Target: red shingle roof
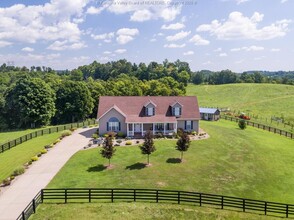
pixel 133 107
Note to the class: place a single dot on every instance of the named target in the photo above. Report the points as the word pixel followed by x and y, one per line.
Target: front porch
pixel 139 129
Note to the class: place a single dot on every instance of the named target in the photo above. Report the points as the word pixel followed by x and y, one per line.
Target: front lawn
pixel 252 163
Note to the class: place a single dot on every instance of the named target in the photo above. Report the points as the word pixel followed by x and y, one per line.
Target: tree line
pixel 227 77
pixel 41 96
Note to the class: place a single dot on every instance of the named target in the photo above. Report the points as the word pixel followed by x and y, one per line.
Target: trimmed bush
pixel 44 151
pixel 137 142
pixel 94 136
pixel 129 143
pixel 120 134
pixel 66 133
pixel 57 141
pixel 6 182
pixel 119 141
pixel 35 158
pixel 18 171
pixel 11 177
pixel 242 124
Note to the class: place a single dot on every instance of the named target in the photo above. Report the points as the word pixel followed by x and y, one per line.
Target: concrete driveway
pixel 16 197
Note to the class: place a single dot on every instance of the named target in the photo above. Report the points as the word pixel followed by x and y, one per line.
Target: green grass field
pixel 136 211
pixel 264 100
pixel 19 155
pixel 252 164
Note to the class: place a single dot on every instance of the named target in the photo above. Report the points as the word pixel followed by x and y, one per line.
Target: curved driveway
pixel 14 199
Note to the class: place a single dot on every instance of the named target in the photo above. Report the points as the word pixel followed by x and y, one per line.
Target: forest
pixel 41 96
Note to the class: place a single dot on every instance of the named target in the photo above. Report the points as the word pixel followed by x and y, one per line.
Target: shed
pixel 209 114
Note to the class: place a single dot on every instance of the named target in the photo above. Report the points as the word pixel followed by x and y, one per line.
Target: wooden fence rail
pixel 261 126
pixel 154 195
pixel 10 144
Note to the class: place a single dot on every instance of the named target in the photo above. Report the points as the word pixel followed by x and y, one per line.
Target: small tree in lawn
pixel 108 149
pixel 148 145
pixel 183 143
pixel 242 124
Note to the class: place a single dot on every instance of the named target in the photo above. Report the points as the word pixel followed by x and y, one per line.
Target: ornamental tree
pixel 148 145
pixel 183 143
pixel 108 149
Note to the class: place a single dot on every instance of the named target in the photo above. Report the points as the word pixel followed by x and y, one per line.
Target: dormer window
pixel 177 111
pixel 150 111
pixel 150 108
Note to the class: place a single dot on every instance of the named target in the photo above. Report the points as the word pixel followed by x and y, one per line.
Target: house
pixel 134 115
pixel 209 114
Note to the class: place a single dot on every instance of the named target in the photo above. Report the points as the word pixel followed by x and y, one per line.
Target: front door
pixel 137 127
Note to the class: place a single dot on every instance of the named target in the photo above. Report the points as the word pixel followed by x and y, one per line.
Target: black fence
pixel 153 195
pixel 10 144
pixel 261 126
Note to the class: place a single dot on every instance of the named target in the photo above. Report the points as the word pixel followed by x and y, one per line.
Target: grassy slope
pixel 19 155
pixel 136 211
pixel 252 163
pixel 262 99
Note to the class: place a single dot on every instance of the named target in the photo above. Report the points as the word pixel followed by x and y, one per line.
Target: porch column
pixel 153 124
pixel 176 127
pixel 133 129
pixel 128 130
pixel 142 129
pixel 164 128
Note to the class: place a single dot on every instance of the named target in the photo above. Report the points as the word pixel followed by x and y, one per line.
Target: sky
pixel 214 35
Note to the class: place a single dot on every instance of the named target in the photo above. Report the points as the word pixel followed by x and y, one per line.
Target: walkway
pixel 15 198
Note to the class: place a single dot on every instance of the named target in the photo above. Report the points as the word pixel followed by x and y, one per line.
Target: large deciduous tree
pixel 148 145
pixel 73 102
pixel 30 102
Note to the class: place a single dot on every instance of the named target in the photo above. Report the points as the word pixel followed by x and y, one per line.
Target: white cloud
pixel 207 62
pixel 66 45
pixel 120 51
pixel 241 1
pixel 174 45
pixel 198 40
pixel 169 14
pixel 223 55
pixel 218 49
pixel 275 50
pixel 141 15
pixel 28 49
pixel 178 36
pixel 237 26
pixel 50 22
pixel 153 40
pixel 283 1
pixel 188 53
pixel 125 35
pixel 106 37
pixel 107 52
pixel 4 43
pixel 175 26
pixel 259 58
pixel 251 48
pixel 93 10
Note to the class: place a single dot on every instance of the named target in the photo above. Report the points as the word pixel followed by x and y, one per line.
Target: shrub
pixel 18 171
pixel 111 134
pixel 65 133
pixel 194 133
pixel 128 142
pixel 6 182
pixel 48 146
pixel 95 136
pixel 117 145
pixel 137 142
pixel 30 162
pixel 105 135
pixel 242 124
pixel 73 129
pixel 39 155
pixel 119 141
pixel 121 134
pixel 159 135
pixel 44 151
pixel 11 177
pixel 35 158
pixel 57 141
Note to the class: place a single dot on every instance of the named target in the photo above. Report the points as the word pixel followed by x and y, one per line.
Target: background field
pixel 252 164
pixel 264 100
pixel 21 154
pixel 136 211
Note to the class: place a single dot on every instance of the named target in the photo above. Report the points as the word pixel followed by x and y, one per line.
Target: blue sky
pixel 209 34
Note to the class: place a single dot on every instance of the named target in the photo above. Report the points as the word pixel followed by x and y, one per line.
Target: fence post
pixel 23 215
pixel 64 127
pixel 134 195
pixel 222 202
pixel 42 195
pixel 42 132
pixel 34 205
pixel 31 135
pixel 112 195
pixel 200 199
pixel 49 130
pixel 287 211
pixel 14 142
pixel 179 197
pixel 243 205
pixel 3 148
pixel 57 129
pixel 265 207
pixel 8 146
pixel 65 196
pixel 89 195
pixel 156 195
pixel 20 139
pixel 36 133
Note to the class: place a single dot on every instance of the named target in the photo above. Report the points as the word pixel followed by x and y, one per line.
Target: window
pixel 177 111
pixel 159 126
pixel 188 125
pixel 113 124
pixel 150 111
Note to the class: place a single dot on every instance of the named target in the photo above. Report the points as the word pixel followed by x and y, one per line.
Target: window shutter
pixel 146 111
pixel 119 126
pixel 191 124
pixel 107 126
pixel 180 111
pixel 153 111
pixel 185 125
pixel 173 111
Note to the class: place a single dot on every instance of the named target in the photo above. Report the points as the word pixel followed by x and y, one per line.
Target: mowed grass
pixel 136 211
pixel 252 164
pixel 265 100
pixel 21 154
